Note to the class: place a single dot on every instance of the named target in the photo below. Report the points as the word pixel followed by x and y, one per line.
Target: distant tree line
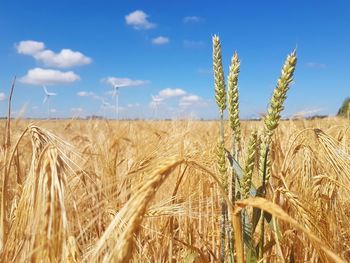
pixel 344 110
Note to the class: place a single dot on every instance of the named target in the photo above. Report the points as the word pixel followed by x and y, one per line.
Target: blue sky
pixel 160 53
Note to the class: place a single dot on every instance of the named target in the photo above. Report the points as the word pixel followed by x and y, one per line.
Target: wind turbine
pixel 115 95
pixel 47 99
pixel 156 101
pixel 105 104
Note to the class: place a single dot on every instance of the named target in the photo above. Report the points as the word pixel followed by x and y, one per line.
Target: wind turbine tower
pixel 47 97
pixel 156 101
pixel 105 105
pixel 115 95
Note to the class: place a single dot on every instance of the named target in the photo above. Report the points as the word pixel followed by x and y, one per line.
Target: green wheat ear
pixel 233 105
pixel 274 112
pixel 221 162
pixel 219 80
pixel 280 93
pixel 249 167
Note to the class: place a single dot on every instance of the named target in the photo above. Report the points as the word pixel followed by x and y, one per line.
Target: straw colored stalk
pixel 40 228
pixel 119 235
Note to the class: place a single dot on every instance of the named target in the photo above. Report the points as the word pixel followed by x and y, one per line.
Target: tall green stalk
pixel 234 123
pixel 220 97
pixel 233 116
pixel 271 122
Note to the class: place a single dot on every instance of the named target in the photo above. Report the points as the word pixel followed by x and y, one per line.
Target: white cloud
pixel 306 112
pixel 85 94
pixel 133 105
pixel 189 100
pixel 53 110
pixel 193 44
pixel 139 20
pixel 64 59
pixel 39 76
pixel 168 93
pixel 165 94
pixel 192 19
pixel 160 40
pixel 316 65
pixel 2 96
pixel 183 98
pixel 124 82
pixel 30 47
pixel 76 110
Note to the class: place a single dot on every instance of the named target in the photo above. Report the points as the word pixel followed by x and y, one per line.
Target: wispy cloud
pixel 2 96
pixel 168 93
pixel 40 76
pixel 165 94
pixel 306 112
pixel 204 71
pixel 133 105
pixel 315 65
pixel 189 100
pixel 85 94
pixel 77 110
pixel 193 44
pixel 175 101
pixel 123 82
pixel 89 94
pixel 64 59
pixel 139 20
pixel 160 40
pixel 192 19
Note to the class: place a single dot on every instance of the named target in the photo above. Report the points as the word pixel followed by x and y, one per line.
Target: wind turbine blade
pixel 45 99
pixel 45 90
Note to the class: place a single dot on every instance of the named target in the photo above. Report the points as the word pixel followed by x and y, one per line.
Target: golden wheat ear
pixel 117 242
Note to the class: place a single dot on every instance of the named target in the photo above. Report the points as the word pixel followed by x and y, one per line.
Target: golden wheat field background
pixel 148 191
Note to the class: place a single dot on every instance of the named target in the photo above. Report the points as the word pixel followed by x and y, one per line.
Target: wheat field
pixel 148 191
pixel 178 191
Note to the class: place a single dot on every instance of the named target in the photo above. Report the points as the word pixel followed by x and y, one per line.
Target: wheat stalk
pixel 233 100
pixel 274 112
pixel 249 167
pixel 271 122
pixel 219 80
